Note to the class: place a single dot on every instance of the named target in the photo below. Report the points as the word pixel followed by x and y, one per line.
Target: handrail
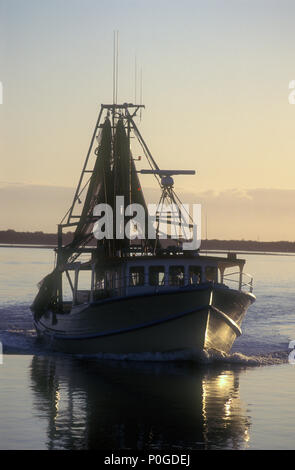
pixel 124 282
pixel 242 284
pixel 245 281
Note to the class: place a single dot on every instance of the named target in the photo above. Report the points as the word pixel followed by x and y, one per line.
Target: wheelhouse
pixel 138 275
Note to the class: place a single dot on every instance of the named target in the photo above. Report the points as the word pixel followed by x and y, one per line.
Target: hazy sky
pixel 215 86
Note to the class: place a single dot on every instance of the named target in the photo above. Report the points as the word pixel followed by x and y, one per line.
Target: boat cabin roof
pixel 180 259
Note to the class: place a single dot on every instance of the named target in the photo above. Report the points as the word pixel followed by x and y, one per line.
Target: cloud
pixel 264 214
pixel 33 208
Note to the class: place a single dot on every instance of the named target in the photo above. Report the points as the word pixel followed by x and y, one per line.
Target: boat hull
pixel 207 317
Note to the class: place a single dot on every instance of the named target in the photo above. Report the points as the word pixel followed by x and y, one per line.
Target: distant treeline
pixel 39 238
pixel 248 245
pixel 32 238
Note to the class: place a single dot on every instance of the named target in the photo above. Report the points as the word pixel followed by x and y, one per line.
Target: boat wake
pixel 203 357
pixel 26 342
pixel 19 342
pixel 17 333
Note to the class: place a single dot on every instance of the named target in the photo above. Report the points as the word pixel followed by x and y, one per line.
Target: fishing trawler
pixel 111 292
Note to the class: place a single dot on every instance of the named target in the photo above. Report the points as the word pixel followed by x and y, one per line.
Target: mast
pixel 113 174
pixel 108 171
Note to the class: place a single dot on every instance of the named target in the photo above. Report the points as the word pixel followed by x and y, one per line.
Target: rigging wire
pixel 85 185
pixel 77 198
pixel 140 111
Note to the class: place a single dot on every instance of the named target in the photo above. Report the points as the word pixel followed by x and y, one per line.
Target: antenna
pixel 115 66
pixel 135 79
pixel 140 112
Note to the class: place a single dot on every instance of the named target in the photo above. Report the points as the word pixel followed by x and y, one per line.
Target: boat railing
pixel 244 280
pixel 118 286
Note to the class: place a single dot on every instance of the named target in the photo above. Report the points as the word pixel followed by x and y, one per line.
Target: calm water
pixel 241 401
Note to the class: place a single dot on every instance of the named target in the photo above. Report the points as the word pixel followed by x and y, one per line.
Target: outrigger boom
pixel 167 172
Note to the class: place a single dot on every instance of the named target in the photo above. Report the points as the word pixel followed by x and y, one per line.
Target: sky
pixel 216 77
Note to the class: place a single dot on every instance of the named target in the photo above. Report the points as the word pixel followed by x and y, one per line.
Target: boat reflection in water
pixel 141 406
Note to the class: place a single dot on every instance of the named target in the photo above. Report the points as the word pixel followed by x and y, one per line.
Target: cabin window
pixel 195 274
pixel 110 280
pixel 136 276
pixel 176 275
pixel 157 275
pixel 211 273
